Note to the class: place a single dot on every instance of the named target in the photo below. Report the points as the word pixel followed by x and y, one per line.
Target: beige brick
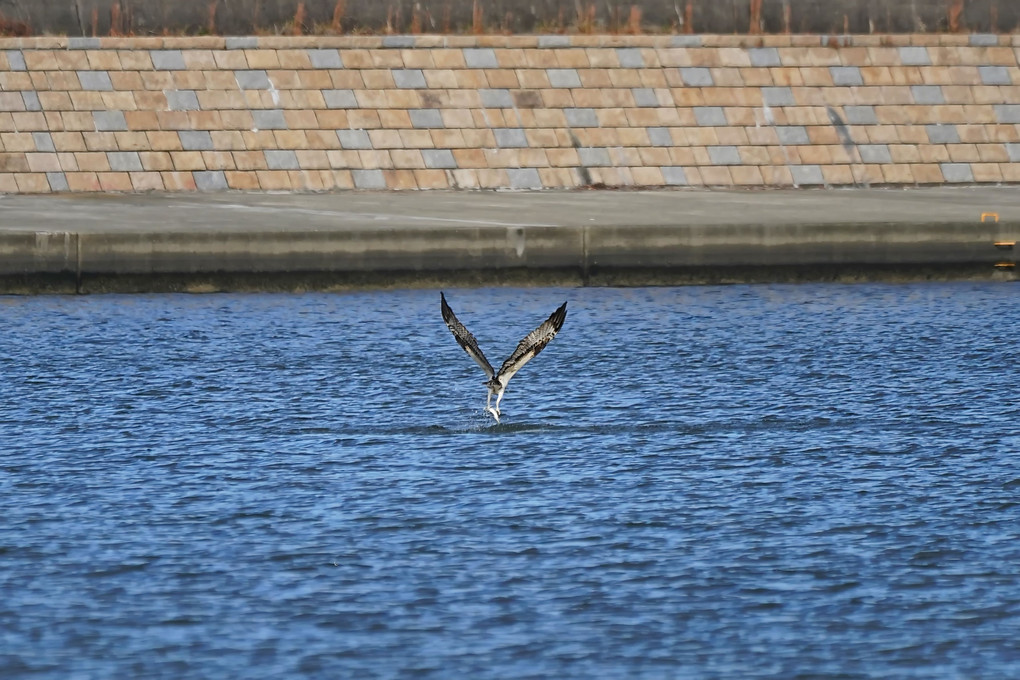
pixel 274 180
pixel 313 159
pixel 242 180
pixel 146 181
pixel 416 139
pixel 131 141
pixel 126 80
pixel 343 159
pixel 897 173
pixel 155 160
pixel 263 59
pixel 500 78
pixel 218 160
pixel 400 179
pixel 82 181
pixel 323 139
pixel 376 79
pixel 470 158
pixel 431 179
pixel 32 183
pixel 250 160
pixel 986 172
pixel 777 175
pixel 992 153
pixel 493 178
pixel 407 158
pixel 188 160
pixel 385 139
pixel 178 181
pixel 169 120
pixel 361 119
pixel 114 181
pixel 333 119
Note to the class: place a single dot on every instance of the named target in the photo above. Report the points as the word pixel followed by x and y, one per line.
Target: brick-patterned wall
pixel 405 112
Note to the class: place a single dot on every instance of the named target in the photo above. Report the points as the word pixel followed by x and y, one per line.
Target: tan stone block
pixel 716 175
pixel 625 77
pixel 357 59
pixel 554 98
pixel 777 175
pixel 275 180
pixel 926 173
pixel 933 153
pixel 417 58
pixel 687 96
pixel 692 155
pixel 100 141
pixel 82 181
pixel 986 172
pixel 511 58
pixel 227 60
pixel 264 59
pixel 875 75
pixel 407 158
pixel 157 80
pixel 562 157
pixel 470 158
pixel 1010 172
pixel 993 153
pixel 346 80
pixel 204 120
pixel 342 179
pixel 815 155
pixel 250 160
pixel 155 160
pixel 290 139
pixel 178 181
pixel 602 58
pixel 15 80
pixel 376 79
pixel 445 139
pixel 470 99
pixel 131 141
pixel 126 80
pixel 439 79
pixel 465 179
pixel 375 159
pixel 904 153
pixel 447 58
pixel 362 119
pixel 187 160
pixel 293 58
pixel 323 139
pixel 141 120
pixel 87 101
pixel 415 139
pixel 242 180
pixel 786 76
pixel 746 175
pixel 146 181
pixel 493 178
pixel 312 159
pixel 114 181
pixel 188 80
pixel 394 118
pixel 400 179
pixel 32 183
pixel 43 162
pixel 756 77
pixel 462 118
pixel 480 139
pixel 432 179
pixel 963 153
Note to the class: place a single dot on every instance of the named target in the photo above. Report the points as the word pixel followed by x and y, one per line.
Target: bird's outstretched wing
pixel 464 338
pixel 533 343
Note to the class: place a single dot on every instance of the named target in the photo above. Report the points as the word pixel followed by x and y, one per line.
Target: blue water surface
pixel 811 481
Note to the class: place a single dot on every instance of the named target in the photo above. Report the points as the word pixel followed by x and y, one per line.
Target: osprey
pixel 533 343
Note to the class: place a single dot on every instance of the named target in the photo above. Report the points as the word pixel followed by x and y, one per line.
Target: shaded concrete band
pixel 167 260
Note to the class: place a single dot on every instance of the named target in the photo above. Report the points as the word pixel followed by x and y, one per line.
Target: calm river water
pixel 815 481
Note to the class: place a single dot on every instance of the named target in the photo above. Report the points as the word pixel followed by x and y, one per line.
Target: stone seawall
pixel 522 112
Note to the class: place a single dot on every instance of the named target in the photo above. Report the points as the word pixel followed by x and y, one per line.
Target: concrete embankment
pixel 196 242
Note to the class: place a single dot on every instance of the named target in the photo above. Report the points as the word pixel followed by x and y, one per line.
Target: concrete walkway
pixel 238 241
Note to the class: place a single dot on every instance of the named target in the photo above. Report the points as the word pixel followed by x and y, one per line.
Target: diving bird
pixel 533 343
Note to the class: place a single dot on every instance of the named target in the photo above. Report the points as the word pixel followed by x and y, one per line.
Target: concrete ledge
pixel 288 242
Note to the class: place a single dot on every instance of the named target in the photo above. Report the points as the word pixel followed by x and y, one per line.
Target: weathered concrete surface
pixel 93 243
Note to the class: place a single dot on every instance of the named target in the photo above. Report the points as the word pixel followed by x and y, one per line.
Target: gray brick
pixel 195 140
pixel 269 119
pixel 764 56
pixel 480 57
pixel 914 56
pixel 957 172
pixel 696 76
pixel 674 175
pixel 807 174
pixel 354 139
pixel 563 77
pixel 398 41
pixel 1007 113
pixel 660 136
pixel 874 153
pixel 409 78
pixel 644 96
pixel 109 121
pixel 16 59
pixel 792 134
pixel 1014 152
pixel 340 99
pixel 927 94
pixel 510 138
pixel 252 80
pixel 210 180
pixel 860 115
pixel 426 118
pixel 245 42
pixel 942 134
pixel 43 141
pixel 630 57
pixel 710 115
pixel 124 161
pixel 181 100
pixel 724 155
pixel 994 75
pixel 31 99
pixel 368 179
pixel 584 118
pixel 282 159
pixel 167 60
pixel 777 96
pixel 497 98
pixel 845 76
pixel 685 41
pixel 83 43
pixel 545 41
pixel 95 80
pixel 438 158
pixel 58 181
pixel 592 157
pixel 524 178
pixel 325 58
pixel 983 40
